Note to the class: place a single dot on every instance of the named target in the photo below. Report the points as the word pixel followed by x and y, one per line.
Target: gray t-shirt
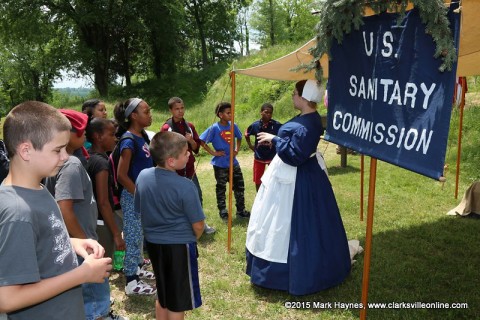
pixel 73 183
pixel 35 245
pixel 168 205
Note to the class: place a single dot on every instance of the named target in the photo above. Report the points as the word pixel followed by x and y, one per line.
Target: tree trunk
pixel 272 28
pixel 247 38
pixel 101 79
pixel 201 33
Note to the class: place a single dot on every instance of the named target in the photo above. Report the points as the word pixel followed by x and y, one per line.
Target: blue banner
pixel 387 98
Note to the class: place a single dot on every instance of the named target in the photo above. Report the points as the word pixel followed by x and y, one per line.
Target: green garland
pixel 338 17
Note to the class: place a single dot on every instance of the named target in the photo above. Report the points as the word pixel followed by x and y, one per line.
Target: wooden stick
pixel 362 177
pixel 459 144
pixel 368 237
pixel 230 171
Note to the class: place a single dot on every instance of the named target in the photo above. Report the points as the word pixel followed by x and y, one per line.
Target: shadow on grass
pixel 337 170
pixel 430 263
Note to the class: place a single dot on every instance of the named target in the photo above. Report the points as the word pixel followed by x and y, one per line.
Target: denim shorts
pixel 96 298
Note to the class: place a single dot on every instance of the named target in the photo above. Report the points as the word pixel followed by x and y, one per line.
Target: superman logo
pixel 226 135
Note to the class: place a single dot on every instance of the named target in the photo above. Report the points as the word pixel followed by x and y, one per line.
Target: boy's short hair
pixel 266 105
pixel 222 106
pixel 32 121
pixel 172 101
pixel 166 144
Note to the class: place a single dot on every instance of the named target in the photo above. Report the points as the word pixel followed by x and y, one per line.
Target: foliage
pixel 130 40
pixel 283 21
pixel 33 48
pixel 339 17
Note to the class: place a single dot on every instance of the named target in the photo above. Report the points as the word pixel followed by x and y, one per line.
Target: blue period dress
pixel 317 254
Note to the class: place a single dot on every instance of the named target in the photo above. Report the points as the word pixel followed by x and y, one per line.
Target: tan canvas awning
pixel 468 60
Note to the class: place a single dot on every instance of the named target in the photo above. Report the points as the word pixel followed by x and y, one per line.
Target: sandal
pixel 145 274
pixel 139 287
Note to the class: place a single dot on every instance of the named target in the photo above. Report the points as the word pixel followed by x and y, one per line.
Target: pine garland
pixel 338 17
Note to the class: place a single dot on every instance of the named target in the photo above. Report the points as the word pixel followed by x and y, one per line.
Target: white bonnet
pixel 312 92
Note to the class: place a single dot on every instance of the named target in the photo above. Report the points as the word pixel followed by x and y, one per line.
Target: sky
pixel 70 81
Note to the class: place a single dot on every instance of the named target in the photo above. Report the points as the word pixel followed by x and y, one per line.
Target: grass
pixel 418 253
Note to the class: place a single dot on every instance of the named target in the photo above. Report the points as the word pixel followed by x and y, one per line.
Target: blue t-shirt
pixel 167 215
pixel 265 151
pixel 220 138
pixel 140 153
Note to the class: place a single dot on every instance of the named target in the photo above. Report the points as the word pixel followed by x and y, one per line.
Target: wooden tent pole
pixel 459 144
pixel 230 171
pixel 362 178
pixel 368 237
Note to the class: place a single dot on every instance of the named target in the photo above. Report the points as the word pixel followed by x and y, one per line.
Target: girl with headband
pixel 133 117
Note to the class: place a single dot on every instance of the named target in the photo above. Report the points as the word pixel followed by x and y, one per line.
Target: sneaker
pixel 243 214
pixel 139 287
pixel 208 229
pixel 142 273
pixel 224 214
pixel 113 316
pixel 146 262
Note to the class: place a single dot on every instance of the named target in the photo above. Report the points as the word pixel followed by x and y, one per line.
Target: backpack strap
pixel 127 135
pixel 173 127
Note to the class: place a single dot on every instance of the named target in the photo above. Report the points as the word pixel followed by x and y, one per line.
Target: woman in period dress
pixel 296 241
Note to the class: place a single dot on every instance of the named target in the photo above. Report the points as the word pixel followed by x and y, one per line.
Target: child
pixel 177 123
pixel 39 273
pixel 72 188
pixel 133 117
pixel 172 222
pixel 263 152
pixel 219 135
pixel 94 108
pixel 101 132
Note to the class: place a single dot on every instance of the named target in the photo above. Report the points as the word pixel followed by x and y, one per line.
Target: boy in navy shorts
pixel 263 152
pixel 172 221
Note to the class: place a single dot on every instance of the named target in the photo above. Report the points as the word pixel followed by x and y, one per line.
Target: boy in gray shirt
pixel 72 188
pixel 39 273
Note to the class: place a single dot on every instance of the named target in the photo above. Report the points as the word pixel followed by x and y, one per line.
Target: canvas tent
pixel 468 57
pixel 282 69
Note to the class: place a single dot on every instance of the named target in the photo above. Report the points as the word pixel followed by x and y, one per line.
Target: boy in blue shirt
pixel 263 152
pixel 172 221
pixel 219 135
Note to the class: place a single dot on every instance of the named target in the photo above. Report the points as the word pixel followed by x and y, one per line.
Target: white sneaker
pixel 145 274
pixel 208 229
pixel 135 287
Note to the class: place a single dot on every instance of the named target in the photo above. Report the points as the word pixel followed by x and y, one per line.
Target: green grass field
pixel 418 253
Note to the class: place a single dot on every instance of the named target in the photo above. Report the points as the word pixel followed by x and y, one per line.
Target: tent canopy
pixel 468 57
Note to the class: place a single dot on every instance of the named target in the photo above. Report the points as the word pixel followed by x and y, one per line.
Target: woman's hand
pixel 265 137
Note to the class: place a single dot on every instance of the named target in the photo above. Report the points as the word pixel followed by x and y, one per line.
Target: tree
pixel 243 31
pixel 164 22
pixel 283 21
pixel 213 24
pixel 33 49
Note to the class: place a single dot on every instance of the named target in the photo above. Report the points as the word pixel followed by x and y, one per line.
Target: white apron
pixel 268 233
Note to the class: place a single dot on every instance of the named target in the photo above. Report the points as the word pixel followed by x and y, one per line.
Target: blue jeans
pixel 96 298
